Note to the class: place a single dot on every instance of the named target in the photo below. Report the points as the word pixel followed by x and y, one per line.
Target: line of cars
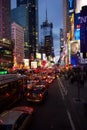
pixel 37 86
pixel 20 118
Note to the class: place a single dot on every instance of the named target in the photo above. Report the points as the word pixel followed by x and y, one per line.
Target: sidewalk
pixel 78 98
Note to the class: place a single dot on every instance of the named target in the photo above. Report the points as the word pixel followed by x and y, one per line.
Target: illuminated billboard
pixel 44 56
pixel 38 55
pixel 83 29
pixel 26 62
pixel 72 26
pixel 75 47
pixel 33 65
pixel 75 52
pixel 71 6
pixel 77 26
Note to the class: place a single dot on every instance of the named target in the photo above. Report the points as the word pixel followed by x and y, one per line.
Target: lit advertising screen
pixel 33 64
pixel 77 26
pixel 83 29
pixel 75 49
pixel 72 26
pixel 44 56
pixel 71 6
pixel 38 55
pixel 26 62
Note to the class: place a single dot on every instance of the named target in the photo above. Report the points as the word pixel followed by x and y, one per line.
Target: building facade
pixel 66 21
pixel 5 29
pixel 6 44
pixel 17 35
pixel 73 31
pixel 20 16
pixel 6 53
pixel 68 28
pixel 32 24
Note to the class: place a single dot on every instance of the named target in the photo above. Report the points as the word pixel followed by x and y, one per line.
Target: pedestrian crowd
pixel 76 74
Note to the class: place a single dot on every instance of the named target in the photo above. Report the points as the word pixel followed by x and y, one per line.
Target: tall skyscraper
pixel 20 16
pixel 21 2
pixel 66 21
pixel 47 37
pixel 17 34
pixel 32 24
pixel 5 27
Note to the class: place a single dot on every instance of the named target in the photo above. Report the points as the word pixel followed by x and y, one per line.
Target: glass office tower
pixel 32 24
pixel 47 37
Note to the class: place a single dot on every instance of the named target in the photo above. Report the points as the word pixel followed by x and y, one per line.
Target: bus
pixel 12 88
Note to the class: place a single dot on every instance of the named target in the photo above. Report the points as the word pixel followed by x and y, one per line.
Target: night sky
pixel 54 13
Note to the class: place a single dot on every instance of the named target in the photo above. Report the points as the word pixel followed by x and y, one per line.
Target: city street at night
pixel 43 64
pixel 56 111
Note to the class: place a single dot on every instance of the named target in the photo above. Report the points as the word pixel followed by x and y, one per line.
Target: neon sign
pixel 71 6
pixel 71 3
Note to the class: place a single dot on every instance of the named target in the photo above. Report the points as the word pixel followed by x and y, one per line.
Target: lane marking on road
pixel 71 121
pixel 63 90
pixel 60 90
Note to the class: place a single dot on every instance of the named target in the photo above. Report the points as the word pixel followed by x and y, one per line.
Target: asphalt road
pixel 59 111
pixel 56 112
pixel 52 114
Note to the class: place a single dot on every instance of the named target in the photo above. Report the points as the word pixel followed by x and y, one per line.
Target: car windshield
pixel 35 90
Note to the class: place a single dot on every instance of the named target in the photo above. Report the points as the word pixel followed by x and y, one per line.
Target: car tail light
pixel 7 94
pixel 40 95
pixel 28 94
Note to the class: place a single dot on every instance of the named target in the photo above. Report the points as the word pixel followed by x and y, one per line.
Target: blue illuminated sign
pixel 74 60
pixel 77 34
pixel 70 3
pixel 77 26
pixel 71 6
pixel 83 29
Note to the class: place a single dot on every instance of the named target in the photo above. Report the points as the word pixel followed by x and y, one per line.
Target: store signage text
pixel 83 19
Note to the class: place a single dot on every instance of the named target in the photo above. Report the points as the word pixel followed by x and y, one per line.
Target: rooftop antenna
pixel 46 11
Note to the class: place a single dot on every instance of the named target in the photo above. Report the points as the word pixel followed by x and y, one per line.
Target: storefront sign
pixel 83 19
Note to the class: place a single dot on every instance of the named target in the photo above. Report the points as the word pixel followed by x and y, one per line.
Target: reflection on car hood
pixel 9 117
pixel 29 110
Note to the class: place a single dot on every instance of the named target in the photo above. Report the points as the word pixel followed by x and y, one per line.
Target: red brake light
pixel 28 94
pixel 40 95
pixel 7 94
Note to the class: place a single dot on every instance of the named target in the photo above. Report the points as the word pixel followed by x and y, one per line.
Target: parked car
pixel 37 93
pixel 18 118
